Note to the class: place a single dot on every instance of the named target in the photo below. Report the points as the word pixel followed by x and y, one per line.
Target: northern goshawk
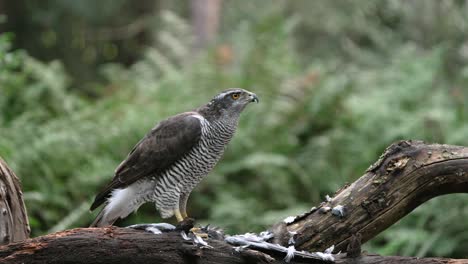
pixel 172 159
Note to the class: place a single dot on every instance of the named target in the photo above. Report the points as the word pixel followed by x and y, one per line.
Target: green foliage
pixel 321 121
pixel 436 228
pixel 31 90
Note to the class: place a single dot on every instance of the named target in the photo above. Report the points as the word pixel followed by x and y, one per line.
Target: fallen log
pixel 123 245
pixel 406 175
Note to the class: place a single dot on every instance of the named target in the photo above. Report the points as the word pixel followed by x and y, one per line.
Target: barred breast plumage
pixel 185 174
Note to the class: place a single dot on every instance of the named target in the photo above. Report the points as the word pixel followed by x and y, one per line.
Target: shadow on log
pixel 406 175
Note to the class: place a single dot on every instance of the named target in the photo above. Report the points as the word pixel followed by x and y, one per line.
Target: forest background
pixel 82 81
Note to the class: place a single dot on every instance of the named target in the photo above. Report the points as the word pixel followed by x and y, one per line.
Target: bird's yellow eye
pixel 235 96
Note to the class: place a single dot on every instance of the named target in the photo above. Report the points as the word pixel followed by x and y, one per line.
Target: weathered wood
pixel 407 174
pixel 122 245
pixel 111 245
pixel 376 259
pixel 14 225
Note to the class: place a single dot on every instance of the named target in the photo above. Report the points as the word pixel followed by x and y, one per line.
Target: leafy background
pixel 338 82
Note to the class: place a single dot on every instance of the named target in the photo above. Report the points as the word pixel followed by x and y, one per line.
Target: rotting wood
pixel 14 225
pixel 407 174
pixel 124 245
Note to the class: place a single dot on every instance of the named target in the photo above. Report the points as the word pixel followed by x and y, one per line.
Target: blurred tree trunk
pixel 205 21
pixel 14 225
pixel 2 10
pixel 2 16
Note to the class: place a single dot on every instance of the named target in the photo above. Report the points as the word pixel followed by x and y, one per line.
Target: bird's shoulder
pixel 167 140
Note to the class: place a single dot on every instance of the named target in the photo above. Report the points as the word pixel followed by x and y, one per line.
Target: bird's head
pixel 231 101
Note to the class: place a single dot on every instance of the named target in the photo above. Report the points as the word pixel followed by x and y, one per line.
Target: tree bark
pixel 406 175
pixel 14 225
pixel 123 245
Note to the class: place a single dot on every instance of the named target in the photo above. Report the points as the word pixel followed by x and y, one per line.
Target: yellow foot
pixel 178 215
pixel 198 232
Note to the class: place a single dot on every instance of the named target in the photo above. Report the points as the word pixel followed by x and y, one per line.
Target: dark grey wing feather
pixel 166 143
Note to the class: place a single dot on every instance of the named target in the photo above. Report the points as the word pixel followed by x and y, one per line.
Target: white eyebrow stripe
pixel 221 95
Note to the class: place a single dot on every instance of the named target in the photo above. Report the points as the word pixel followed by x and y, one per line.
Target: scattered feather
pixel 339 210
pixel 153 230
pixel 196 239
pixel 199 240
pixel 291 238
pixel 289 219
pixel 266 235
pixel 325 209
pixel 329 250
pixel 161 227
pixel 240 248
pixel 259 242
pixel 290 253
pixel 184 235
pixel 325 256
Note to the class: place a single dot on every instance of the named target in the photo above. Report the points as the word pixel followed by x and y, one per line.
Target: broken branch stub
pixel 406 175
pixel 14 225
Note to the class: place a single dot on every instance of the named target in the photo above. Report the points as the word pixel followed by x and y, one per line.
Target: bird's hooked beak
pixel 253 97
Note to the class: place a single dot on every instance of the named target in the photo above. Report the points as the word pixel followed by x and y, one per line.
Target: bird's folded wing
pixel 169 141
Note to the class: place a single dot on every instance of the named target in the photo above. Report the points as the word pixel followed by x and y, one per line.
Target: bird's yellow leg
pixel 182 210
pixel 178 215
pixel 183 204
pixel 184 214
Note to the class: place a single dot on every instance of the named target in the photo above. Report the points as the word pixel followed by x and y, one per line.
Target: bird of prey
pixel 172 159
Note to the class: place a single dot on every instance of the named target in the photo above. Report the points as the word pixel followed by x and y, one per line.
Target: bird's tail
pixel 102 219
pixel 119 205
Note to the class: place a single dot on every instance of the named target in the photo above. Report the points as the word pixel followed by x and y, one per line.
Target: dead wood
pixel 14 225
pixel 123 245
pixel 406 175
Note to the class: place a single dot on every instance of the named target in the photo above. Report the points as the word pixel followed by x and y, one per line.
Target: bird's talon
pixel 186 224
pixel 198 232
